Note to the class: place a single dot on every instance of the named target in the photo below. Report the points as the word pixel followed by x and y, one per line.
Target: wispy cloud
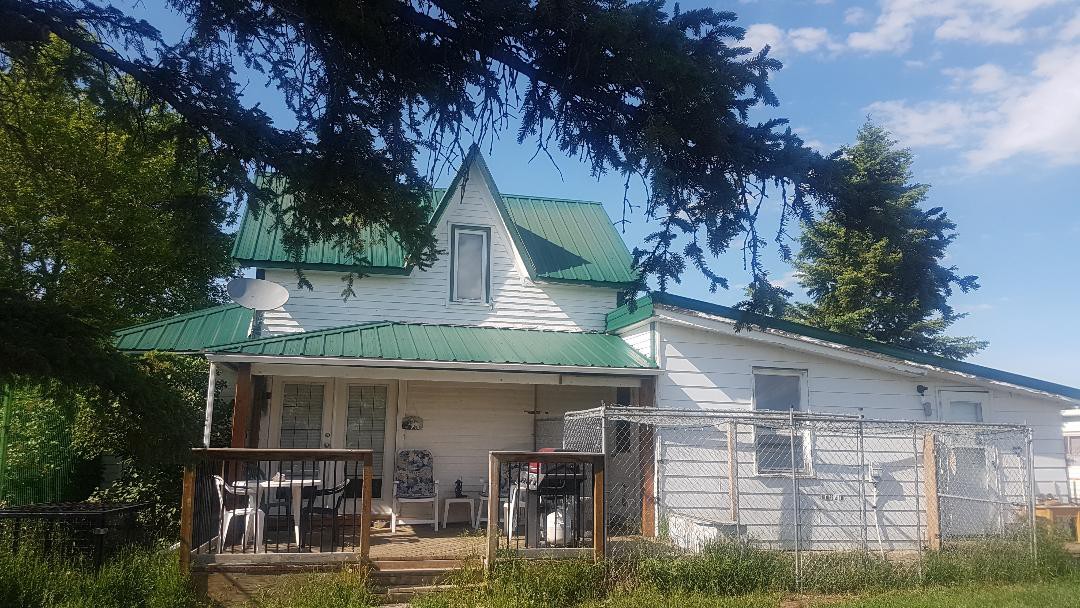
pixel 1003 116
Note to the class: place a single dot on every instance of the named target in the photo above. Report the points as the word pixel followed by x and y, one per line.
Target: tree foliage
pixel 872 266
pixel 384 94
pixel 109 208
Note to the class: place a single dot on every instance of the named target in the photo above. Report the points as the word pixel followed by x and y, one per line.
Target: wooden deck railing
pixel 545 503
pixel 287 502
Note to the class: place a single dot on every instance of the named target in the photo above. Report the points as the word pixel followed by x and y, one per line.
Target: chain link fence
pixel 805 482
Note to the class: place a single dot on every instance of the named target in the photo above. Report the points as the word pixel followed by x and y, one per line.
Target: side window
pixel 1072 449
pixel 470 264
pixel 780 391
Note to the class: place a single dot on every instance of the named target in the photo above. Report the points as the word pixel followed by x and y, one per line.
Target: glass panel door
pixel 365 426
pixel 305 419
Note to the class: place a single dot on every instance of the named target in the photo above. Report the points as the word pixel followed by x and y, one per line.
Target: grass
pixel 735 574
pixel 346 589
pixel 141 579
pixel 991 573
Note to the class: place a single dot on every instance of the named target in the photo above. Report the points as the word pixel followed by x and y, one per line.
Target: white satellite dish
pixel 257 294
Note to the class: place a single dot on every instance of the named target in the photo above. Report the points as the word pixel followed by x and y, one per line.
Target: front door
pixel 305 416
pixel 360 424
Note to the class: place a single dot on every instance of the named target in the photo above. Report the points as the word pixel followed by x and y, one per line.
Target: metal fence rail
pixel 249 505
pixel 807 482
pixel 545 504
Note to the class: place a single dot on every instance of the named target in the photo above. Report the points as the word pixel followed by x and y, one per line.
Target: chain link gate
pixel 805 482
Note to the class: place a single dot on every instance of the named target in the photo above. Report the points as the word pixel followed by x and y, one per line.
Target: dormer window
pixel 470 264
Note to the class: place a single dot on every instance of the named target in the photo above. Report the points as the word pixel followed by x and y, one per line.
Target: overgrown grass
pixel 737 574
pixel 140 579
pixel 345 589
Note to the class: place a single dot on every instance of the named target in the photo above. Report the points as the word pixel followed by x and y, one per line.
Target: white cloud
pixel 856 15
pixel 760 35
pixel 1006 116
pixel 983 21
pixel 935 123
pixel 1071 30
pixel 785 42
pixel 986 78
pixel 1041 118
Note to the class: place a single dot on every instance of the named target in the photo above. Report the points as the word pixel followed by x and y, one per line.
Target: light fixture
pixel 927 405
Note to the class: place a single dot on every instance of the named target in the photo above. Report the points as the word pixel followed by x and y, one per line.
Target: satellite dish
pixel 257 294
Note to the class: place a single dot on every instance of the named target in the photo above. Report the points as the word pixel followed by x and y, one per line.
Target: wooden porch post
pixel 493 508
pixel 647 451
pixel 187 513
pixel 245 397
pixel 365 513
pixel 599 518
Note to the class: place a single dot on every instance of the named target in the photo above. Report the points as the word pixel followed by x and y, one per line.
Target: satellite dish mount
pixel 257 295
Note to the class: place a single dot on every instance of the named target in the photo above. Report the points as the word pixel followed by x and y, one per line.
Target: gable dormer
pixel 508 261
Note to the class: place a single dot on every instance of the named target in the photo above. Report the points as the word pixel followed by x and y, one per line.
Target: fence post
pixel 795 497
pixel 930 483
pixel 365 513
pixel 1031 494
pixel 187 513
pixel 493 511
pixel 599 510
pixel 918 502
pixel 861 449
pixel 733 472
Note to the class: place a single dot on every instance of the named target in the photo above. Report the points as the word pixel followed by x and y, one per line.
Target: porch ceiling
pixel 451 344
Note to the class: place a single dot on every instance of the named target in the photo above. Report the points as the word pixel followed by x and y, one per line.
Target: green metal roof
pixel 570 241
pixel 559 240
pixel 189 332
pixel 623 316
pixel 258 243
pixel 451 343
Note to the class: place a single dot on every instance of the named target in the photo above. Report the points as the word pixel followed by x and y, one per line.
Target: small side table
pixel 464 500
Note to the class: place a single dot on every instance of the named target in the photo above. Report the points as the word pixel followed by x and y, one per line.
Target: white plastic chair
pixel 253 517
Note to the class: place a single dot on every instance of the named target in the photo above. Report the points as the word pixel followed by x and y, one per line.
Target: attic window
pixel 470 264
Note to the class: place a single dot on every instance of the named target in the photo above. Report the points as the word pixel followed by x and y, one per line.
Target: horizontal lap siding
pixel 708 370
pixel 423 296
pixel 463 422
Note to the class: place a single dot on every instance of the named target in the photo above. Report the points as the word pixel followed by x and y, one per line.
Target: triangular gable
pixel 554 240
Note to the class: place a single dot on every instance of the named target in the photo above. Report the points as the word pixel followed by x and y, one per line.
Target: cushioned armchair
pixel 414 482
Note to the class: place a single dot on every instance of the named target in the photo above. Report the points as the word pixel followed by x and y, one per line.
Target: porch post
pixel 647 451
pixel 209 404
pixel 245 396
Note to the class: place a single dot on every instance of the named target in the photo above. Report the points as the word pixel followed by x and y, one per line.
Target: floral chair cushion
pixel 414 475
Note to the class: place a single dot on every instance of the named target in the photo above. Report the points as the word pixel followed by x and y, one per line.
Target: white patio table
pixel 295 484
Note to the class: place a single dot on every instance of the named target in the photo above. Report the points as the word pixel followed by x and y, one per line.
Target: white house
pixel 518 323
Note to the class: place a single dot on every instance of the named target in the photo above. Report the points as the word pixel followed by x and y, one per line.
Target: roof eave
pixel 232 357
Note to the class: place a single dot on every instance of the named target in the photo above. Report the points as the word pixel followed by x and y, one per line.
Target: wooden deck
pixel 421 542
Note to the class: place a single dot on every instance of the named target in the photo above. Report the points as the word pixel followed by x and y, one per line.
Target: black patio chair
pixel 321 516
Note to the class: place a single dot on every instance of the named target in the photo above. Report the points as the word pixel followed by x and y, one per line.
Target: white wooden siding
pixel 713 370
pixel 424 297
pixel 640 339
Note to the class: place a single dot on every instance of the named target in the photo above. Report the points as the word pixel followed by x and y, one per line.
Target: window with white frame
pixel 780 390
pixel 470 264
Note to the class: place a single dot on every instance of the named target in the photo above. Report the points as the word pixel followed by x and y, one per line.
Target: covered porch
pixel 308 421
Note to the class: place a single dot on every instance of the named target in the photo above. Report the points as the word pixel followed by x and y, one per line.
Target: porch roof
pixel 191 332
pixel 450 344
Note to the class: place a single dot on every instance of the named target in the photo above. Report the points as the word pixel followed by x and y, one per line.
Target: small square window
pixel 776 451
pixel 469 264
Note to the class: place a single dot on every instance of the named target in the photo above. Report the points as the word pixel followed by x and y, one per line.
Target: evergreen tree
pixel 385 94
pixel 872 265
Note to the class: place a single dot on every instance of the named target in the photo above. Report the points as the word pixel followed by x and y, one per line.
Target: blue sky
pixel 986 92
